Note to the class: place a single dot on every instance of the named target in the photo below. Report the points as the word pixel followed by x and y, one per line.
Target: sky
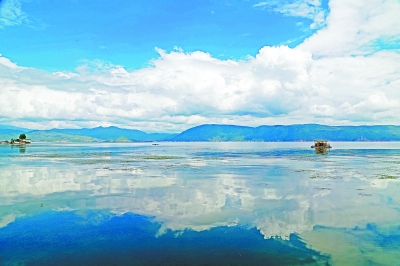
pixel 166 66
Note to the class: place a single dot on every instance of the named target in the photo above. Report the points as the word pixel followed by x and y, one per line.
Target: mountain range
pixel 213 132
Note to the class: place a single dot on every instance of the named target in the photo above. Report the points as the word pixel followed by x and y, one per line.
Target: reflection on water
pixel 22 148
pixel 130 240
pixel 322 151
pixel 252 199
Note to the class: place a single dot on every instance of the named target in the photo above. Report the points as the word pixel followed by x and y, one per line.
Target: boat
pixel 321 145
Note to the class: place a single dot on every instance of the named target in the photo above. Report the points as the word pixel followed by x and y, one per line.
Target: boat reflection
pixel 323 151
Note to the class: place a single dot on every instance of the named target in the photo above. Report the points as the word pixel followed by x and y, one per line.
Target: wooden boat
pixel 321 144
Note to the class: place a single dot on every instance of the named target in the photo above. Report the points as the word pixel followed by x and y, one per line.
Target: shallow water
pixel 200 204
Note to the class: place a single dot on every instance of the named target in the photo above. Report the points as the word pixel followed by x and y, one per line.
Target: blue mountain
pixel 307 132
pixel 215 132
pixel 10 132
pixel 7 129
pixel 113 133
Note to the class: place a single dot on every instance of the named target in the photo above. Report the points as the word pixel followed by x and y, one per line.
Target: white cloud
pixel 355 27
pixel 278 86
pixel 328 79
pixel 310 9
pixel 6 62
pixel 359 89
pixel 322 110
pixel 11 13
pixel 375 103
pixel 191 85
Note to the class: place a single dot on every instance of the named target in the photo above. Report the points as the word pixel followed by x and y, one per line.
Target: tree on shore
pixel 22 136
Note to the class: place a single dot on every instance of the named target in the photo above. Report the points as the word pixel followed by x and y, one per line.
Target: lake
pixel 218 203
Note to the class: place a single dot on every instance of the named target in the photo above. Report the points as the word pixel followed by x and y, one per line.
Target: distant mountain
pixel 111 134
pixel 5 127
pixel 10 132
pixel 214 132
pixel 38 135
pixel 306 132
pixel 6 130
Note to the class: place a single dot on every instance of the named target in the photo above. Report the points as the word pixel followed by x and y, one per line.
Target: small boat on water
pixel 321 144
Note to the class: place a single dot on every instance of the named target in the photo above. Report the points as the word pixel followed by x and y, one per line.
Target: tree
pixel 22 136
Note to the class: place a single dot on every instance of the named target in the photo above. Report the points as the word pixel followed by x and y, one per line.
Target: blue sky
pixel 169 65
pixel 63 34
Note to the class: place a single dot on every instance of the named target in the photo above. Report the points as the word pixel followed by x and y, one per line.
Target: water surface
pixel 200 204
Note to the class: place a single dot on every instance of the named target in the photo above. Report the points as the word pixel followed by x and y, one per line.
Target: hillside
pixel 306 132
pixel 214 132
pixel 83 135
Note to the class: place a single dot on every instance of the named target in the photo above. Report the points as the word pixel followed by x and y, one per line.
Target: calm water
pixel 200 204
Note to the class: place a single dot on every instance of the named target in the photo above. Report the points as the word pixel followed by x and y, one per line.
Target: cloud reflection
pixel 278 195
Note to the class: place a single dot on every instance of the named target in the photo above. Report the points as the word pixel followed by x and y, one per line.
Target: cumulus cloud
pixel 179 87
pixel 356 27
pixel 278 85
pixel 335 77
pixel 358 88
pixel 7 63
pixel 322 110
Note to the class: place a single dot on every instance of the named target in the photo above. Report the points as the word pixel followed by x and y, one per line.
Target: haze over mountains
pixel 213 132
